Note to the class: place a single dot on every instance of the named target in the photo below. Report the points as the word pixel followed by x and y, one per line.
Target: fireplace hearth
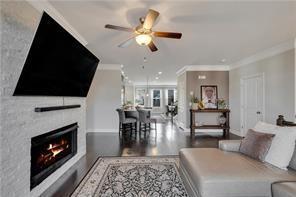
pixel 51 150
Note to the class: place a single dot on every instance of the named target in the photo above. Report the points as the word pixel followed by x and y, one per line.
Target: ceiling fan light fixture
pixel 143 33
pixel 143 39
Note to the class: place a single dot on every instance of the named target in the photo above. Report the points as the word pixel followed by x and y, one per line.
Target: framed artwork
pixel 209 96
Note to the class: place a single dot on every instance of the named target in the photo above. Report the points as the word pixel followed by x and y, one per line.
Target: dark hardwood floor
pixel 168 140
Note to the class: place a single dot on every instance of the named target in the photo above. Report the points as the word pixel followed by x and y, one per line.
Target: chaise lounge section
pixel 223 172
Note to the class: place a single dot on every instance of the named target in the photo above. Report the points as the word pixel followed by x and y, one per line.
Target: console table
pixel 224 127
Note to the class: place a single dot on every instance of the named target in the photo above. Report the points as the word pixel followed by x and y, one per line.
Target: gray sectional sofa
pixel 223 172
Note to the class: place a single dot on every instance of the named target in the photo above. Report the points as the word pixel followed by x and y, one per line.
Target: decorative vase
pixel 222 120
pixel 221 104
pixel 194 106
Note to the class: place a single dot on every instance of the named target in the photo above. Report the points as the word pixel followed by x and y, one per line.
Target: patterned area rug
pixel 133 177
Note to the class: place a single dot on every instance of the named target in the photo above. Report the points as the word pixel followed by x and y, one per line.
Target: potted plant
pixel 221 104
pixel 193 101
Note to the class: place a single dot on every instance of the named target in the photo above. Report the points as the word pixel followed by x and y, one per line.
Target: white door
pixel 252 101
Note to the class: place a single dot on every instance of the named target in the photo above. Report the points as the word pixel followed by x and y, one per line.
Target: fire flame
pixel 53 150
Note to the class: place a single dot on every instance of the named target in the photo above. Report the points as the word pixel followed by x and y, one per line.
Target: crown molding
pixel 44 5
pixel 278 49
pixel 202 68
pixel 109 66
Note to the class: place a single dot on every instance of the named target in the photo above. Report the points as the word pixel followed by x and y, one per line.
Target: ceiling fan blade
pixel 150 19
pixel 152 46
pixel 167 34
pixel 126 43
pixel 108 26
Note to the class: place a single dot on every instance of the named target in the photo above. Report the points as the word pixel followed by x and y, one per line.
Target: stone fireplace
pixel 20 124
pixel 51 150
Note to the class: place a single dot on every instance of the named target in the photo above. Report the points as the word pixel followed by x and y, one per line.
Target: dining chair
pixel 145 120
pixel 126 123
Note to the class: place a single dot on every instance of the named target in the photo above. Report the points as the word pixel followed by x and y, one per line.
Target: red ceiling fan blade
pixel 173 35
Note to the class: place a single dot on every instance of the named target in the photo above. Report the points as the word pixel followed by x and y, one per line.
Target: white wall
pixel 183 106
pixel 295 77
pixel 103 99
pixel 279 73
pixel 18 121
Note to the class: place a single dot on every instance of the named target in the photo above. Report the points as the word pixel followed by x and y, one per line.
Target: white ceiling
pixel 212 31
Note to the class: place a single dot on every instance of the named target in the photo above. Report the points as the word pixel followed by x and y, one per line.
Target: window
pixel 156 98
pixel 140 97
pixel 171 97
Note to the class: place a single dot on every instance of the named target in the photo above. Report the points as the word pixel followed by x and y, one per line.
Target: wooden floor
pixel 168 140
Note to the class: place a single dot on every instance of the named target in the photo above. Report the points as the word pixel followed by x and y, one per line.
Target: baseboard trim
pixel 187 130
pixel 236 132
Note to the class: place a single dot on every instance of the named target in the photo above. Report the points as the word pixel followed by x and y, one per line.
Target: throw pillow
pixel 293 160
pixel 265 127
pixel 256 144
pixel 282 147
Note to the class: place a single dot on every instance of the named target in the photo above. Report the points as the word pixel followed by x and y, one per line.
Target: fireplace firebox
pixel 51 150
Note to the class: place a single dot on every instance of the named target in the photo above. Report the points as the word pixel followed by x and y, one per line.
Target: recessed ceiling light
pixel 223 60
pixel 202 77
pixel 159 73
pixel 121 66
pixel 156 78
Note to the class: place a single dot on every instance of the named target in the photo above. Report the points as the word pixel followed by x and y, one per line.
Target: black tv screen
pixel 57 64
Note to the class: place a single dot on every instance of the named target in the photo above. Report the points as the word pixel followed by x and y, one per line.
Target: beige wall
pixel 193 83
pixel 279 72
pixel 219 78
pixel 103 99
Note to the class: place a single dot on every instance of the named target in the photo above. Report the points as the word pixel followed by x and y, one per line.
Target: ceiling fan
pixel 143 33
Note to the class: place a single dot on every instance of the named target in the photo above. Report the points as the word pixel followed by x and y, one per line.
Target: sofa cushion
pixel 282 146
pixel 265 127
pixel 284 189
pixel 230 145
pixel 228 174
pixel 256 144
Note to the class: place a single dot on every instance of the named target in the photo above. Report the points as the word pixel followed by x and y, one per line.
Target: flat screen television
pixel 57 64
